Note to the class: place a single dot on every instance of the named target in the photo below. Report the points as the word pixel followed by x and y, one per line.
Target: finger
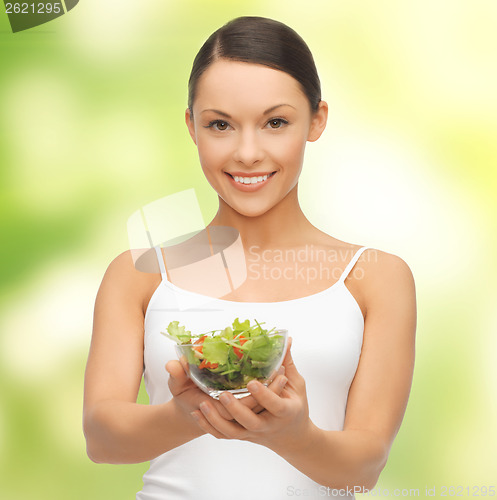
pixel 275 386
pixel 275 373
pixel 296 383
pixel 221 409
pixel 178 381
pixel 290 369
pixel 288 352
pixel 253 420
pixel 205 425
pixel 184 364
pixel 246 417
pixel 250 403
pixel 273 403
pixel 289 344
pixel 272 379
pixel 228 428
pixel 175 369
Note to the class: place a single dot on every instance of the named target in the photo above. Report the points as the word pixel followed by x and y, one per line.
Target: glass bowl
pixel 245 359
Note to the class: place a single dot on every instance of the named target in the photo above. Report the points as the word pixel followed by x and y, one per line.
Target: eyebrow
pixel 272 108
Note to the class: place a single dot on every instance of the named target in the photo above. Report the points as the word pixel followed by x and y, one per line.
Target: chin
pixel 254 209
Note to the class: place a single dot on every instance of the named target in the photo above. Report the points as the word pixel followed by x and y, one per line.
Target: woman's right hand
pixel 188 396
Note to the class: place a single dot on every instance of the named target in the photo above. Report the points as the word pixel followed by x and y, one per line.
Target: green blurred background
pixel 92 128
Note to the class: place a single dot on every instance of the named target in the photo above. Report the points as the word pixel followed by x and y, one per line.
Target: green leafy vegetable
pixel 215 350
pixel 229 358
pixel 178 333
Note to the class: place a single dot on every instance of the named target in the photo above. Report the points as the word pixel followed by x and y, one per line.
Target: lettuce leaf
pixel 241 327
pixel 260 352
pixel 178 333
pixel 260 348
pixel 215 350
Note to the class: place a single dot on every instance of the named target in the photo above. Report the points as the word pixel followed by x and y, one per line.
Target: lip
pixel 249 174
pixel 249 188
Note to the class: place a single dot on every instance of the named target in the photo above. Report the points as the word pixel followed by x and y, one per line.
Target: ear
pixel 190 124
pixel 318 122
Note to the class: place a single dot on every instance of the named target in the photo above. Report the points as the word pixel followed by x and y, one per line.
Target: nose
pixel 249 149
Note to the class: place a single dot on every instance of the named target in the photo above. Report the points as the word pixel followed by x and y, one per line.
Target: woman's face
pixel 250 124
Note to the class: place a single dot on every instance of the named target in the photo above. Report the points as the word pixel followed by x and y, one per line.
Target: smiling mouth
pixel 253 179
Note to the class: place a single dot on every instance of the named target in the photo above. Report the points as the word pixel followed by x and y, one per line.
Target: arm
pixel 116 428
pixel 379 392
pixel 377 398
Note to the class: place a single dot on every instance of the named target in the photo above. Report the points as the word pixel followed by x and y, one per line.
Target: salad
pixel 228 359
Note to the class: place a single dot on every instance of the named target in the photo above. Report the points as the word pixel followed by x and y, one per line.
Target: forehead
pixel 252 86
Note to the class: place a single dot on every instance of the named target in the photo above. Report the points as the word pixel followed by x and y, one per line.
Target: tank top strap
pixel 162 264
pixel 352 263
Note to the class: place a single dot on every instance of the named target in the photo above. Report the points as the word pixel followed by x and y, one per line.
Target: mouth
pixel 251 179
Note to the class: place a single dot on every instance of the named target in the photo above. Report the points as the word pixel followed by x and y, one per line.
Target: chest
pixel 327 333
pixel 286 283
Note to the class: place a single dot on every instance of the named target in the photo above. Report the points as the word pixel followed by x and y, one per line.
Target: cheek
pixel 212 153
pixel 290 151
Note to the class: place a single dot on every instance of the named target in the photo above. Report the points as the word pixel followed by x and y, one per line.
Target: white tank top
pixel 327 330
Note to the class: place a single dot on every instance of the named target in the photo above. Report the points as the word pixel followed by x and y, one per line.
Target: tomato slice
pixel 206 364
pixel 239 353
pixel 199 344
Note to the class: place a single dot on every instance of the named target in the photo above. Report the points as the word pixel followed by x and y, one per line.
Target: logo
pixel 25 15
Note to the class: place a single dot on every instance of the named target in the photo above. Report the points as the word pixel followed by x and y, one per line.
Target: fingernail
pixel 205 408
pixel 253 386
pixel 225 398
pixel 283 382
pixel 194 416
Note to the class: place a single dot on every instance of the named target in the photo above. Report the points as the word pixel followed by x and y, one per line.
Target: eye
pixel 277 122
pixel 218 125
pixel 221 125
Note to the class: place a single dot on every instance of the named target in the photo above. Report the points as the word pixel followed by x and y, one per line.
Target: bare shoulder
pixel 376 264
pixel 388 283
pixel 135 274
pixel 377 276
pixel 122 270
pixel 385 271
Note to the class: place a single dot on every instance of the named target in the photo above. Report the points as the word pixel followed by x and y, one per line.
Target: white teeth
pixel 251 180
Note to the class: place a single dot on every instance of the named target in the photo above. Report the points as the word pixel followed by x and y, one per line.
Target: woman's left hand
pixel 283 423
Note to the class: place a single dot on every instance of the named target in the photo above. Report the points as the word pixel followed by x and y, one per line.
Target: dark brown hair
pixel 264 41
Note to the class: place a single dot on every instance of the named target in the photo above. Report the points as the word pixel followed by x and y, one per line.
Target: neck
pixel 283 225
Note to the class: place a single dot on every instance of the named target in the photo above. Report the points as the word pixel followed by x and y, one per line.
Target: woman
pixel 325 426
